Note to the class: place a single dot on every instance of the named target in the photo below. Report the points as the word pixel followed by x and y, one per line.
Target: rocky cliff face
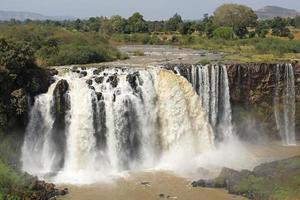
pixel 252 90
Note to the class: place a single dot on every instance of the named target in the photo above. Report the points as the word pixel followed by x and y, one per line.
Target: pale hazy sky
pixel 151 9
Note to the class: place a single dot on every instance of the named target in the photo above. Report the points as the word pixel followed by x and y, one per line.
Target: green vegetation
pixel 12 183
pixel 57 46
pixel 237 16
pixel 232 28
pixel 280 182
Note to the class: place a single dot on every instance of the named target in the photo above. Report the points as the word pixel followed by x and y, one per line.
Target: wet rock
pixel 145 183
pixel 99 79
pixel 92 87
pixel 44 191
pixel 53 72
pixel 89 82
pixel 132 80
pixel 99 96
pixel 83 74
pixel 83 68
pixel 97 71
pixel 228 179
pixel 113 80
pixel 59 110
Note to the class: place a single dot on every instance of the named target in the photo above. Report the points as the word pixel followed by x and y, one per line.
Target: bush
pixel 223 33
pixel 15 56
pixel 78 55
pixel 54 45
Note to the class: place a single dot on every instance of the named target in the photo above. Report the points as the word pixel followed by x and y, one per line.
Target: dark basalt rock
pixel 97 71
pixel 89 82
pixel 83 73
pixel 113 80
pixel 59 110
pixel 132 80
pixel 53 72
pixel 99 96
pixel 99 79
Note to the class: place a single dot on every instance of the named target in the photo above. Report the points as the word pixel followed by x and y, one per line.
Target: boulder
pixel 89 82
pixel 99 79
pixel 113 80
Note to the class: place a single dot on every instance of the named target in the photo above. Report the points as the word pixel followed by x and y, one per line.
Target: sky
pixel 150 9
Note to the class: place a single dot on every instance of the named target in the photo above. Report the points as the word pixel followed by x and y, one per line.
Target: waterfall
pixel 97 122
pixel 211 83
pixel 284 103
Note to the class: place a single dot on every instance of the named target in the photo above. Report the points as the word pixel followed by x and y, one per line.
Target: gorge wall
pixel 252 91
pixel 253 88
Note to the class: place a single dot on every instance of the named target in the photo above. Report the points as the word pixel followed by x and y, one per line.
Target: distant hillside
pixel 269 12
pixel 8 15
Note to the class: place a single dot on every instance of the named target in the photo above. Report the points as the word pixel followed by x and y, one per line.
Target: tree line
pixel 229 21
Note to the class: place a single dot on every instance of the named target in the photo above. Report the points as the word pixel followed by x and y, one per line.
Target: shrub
pixel 15 56
pixel 223 33
pixel 78 55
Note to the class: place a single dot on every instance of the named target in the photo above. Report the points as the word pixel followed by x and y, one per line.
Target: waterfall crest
pixel 111 120
pixel 284 103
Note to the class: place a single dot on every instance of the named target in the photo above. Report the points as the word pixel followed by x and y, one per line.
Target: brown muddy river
pixel 154 185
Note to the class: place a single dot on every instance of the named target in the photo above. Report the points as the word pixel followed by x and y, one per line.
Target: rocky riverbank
pixel 274 180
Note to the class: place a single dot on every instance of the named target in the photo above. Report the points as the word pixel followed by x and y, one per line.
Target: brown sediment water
pixel 147 186
pixel 154 185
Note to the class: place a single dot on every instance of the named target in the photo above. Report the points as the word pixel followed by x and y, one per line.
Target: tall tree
pixel 136 23
pixel 173 23
pixel 118 23
pixel 239 17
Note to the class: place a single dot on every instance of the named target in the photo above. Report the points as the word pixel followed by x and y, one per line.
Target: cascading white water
pixel 211 83
pixel 113 120
pixel 37 149
pixel 284 103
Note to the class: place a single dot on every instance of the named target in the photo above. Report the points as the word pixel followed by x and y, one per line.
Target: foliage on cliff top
pixel 58 46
